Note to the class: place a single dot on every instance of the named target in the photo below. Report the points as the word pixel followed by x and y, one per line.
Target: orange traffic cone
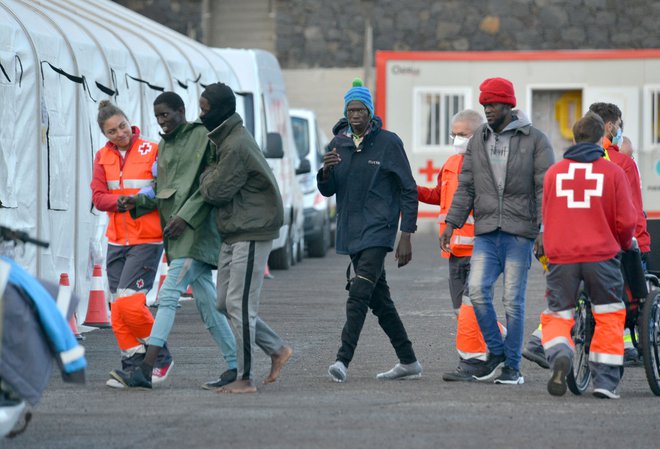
pixel 73 324
pixel 188 294
pixel 163 274
pixel 97 314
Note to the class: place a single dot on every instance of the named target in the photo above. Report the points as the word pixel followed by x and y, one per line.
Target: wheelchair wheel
pixel 650 340
pixel 579 377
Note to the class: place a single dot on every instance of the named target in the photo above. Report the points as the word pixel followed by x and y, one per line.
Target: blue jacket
pixel 374 187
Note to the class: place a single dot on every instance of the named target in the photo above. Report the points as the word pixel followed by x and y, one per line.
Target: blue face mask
pixel 618 138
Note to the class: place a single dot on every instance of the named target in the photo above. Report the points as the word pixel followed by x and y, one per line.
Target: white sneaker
pixel 604 393
pixel 338 372
pixel 114 383
pixel 407 371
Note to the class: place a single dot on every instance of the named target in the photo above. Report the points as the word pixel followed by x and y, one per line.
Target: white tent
pixel 58 59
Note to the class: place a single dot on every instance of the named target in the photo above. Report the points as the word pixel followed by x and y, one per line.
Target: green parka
pixel 183 155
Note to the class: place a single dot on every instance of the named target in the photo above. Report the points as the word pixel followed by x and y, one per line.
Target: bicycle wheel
pixel 650 340
pixel 579 377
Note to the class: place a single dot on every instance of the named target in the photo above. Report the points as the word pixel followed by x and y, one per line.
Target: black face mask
pixel 215 117
pixel 223 104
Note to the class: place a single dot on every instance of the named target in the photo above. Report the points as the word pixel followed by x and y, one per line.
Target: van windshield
pixel 301 135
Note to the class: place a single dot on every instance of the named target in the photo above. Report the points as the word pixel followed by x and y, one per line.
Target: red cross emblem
pixel 144 148
pixel 429 170
pixel 139 284
pixel 579 185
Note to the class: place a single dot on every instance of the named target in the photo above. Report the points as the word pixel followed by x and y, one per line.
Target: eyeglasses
pixel 452 136
pixel 356 111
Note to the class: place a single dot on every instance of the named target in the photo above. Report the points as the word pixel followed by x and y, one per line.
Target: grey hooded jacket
pixel 517 209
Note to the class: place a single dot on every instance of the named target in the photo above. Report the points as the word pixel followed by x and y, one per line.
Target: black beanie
pixel 223 104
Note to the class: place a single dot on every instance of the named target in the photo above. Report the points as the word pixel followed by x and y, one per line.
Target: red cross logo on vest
pixel 144 149
pixel 579 185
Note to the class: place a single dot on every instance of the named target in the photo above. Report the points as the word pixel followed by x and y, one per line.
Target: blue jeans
pixel 495 253
pixel 181 273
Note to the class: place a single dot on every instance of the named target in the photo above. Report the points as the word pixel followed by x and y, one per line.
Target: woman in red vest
pixel 123 168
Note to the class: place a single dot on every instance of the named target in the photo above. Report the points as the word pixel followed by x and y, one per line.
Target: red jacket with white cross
pixel 584 219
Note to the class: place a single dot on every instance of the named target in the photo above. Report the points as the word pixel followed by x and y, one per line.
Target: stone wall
pixel 330 34
pixel 184 16
pixel 318 33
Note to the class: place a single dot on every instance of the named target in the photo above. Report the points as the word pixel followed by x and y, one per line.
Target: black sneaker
pixel 459 375
pixel 486 371
pixel 510 376
pixel 134 378
pixel 557 383
pixel 225 378
pixel 536 354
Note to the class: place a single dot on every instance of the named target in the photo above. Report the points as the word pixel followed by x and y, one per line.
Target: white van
pixel 265 109
pixel 319 210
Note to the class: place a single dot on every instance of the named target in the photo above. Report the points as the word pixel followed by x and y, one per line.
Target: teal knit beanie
pixel 360 93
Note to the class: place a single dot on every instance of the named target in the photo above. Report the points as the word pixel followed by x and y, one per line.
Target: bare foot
pixel 278 360
pixel 238 387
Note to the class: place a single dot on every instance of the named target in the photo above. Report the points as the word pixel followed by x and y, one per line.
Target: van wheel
pixel 300 250
pixel 293 252
pixel 319 247
pixel 280 259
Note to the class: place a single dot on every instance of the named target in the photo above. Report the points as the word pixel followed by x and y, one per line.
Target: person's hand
pixel 330 159
pixel 154 169
pixel 125 203
pixel 538 245
pixel 129 203
pixel 175 227
pixel 445 238
pixel 403 252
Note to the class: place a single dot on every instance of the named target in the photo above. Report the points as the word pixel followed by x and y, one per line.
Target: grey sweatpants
pixel 240 277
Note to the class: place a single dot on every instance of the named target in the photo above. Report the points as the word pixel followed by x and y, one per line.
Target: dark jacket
pixel 183 155
pixel 374 187
pixel 242 187
pixel 518 210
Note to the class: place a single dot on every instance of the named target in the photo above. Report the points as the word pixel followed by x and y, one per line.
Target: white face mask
pixel 460 144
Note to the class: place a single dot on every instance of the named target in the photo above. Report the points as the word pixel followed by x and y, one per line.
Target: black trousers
pixel 369 290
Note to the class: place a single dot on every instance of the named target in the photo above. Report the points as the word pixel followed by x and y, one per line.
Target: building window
pixel 651 119
pixel 433 110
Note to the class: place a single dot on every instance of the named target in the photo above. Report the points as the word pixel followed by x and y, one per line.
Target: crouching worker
pixel 586 227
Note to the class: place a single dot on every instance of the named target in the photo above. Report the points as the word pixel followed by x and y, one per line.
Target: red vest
pixel 462 240
pixel 127 179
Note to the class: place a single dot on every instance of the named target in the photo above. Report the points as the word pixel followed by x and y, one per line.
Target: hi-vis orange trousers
pixel 131 322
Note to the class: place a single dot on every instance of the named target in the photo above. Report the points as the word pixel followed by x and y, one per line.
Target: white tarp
pixel 58 59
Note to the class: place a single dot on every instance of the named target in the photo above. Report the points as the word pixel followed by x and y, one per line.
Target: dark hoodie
pixel 584 152
pixel 374 187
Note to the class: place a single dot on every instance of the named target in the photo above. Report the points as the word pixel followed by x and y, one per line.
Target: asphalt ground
pixel 305 409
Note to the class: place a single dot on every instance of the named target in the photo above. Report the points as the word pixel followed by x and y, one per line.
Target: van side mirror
pixel 304 167
pixel 274 147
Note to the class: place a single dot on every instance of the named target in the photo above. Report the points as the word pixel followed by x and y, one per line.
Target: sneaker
pixel 133 379
pixel 536 354
pixel 510 376
pixel 158 375
pixel 631 357
pixel 114 383
pixel 225 378
pixel 338 371
pixel 458 375
pixel 604 393
pixel 402 371
pixel 557 383
pixel 487 370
